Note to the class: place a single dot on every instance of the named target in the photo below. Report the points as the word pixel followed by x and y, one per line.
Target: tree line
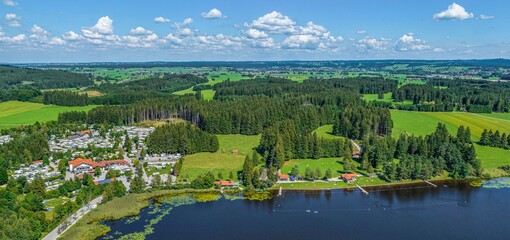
pixel 495 139
pixel 424 157
pixel 462 95
pixel 65 98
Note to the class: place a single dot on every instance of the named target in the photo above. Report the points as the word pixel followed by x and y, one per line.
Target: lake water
pixel 453 210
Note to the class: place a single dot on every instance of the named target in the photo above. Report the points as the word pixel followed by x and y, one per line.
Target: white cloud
pixel 302 42
pixel 173 39
pixel 216 42
pixel 262 42
pixel 16 39
pixel 140 41
pixel 185 32
pixel 274 22
pixel 56 41
pixel 140 31
pixel 371 43
pixel 485 17
pixel 71 36
pixel 212 14
pixel 408 42
pixel 361 32
pixel 101 32
pixel 454 12
pixel 10 3
pixel 256 34
pixel 13 20
pixel 161 20
pixel 438 50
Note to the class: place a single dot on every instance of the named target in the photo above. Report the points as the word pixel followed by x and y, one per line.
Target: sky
pixel 35 31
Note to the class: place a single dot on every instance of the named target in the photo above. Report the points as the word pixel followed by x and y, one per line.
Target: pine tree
pixel 484 140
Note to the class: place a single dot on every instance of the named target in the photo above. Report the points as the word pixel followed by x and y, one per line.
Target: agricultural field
pixel 223 160
pixel 422 123
pixel 14 113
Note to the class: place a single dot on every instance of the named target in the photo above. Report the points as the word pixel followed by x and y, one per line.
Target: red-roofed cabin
pixel 227 184
pixel 356 154
pixel 235 151
pixel 349 177
pixel 284 177
pixel 84 132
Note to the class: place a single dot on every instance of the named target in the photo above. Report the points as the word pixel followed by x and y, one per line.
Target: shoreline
pixel 90 226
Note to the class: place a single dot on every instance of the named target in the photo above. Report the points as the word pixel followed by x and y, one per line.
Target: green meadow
pixel 422 123
pixel 14 113
pixel 223 160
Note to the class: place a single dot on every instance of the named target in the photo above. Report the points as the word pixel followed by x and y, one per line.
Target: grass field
pixel 375 97
pixel 422 123
pixel 326 132
pixel 221 161
pixel 14 113
pixel 208 94
pixel 335 164
pixel 503 116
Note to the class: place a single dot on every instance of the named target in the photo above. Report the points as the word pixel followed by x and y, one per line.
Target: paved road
pixel 73 219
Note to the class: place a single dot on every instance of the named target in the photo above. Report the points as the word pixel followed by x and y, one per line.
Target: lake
pixel 453 210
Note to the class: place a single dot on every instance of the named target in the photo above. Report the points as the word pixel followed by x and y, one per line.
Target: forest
pixel 181 138
pixel 134 91
pixel 460 95
pixel 65 98
pixel 11 77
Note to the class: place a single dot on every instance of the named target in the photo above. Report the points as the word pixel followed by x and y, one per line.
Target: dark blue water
pixel 451 211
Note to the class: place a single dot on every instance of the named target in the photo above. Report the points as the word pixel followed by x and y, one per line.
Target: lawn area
pixel 221 161
pixel 335 164
pixel 163 170
pixel 199 163
pixel 14 113
pixel 326 132
pixel 208 94
pixel 388 97
pixel 422 123
pixel 243 143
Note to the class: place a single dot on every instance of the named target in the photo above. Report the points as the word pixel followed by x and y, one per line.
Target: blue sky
pixel 210 30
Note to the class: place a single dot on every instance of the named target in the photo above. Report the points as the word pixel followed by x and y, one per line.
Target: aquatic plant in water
pixel 497 183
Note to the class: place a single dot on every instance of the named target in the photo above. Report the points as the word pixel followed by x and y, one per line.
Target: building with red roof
pixel 349 177
pixel 83 165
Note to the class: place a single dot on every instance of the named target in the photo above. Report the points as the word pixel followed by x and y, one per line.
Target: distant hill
pixel 293 64
pixel 11 77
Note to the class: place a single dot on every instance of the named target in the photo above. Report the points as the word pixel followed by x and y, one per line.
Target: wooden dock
pixel 431 184
pixel 362 190
pixel 280 192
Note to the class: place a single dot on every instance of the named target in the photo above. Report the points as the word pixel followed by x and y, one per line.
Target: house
pixel 283 177
pixel 226 184
pixel 356 155
pixel 84 132
pixel 235 151
pixel 349 177
pixel 83 165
